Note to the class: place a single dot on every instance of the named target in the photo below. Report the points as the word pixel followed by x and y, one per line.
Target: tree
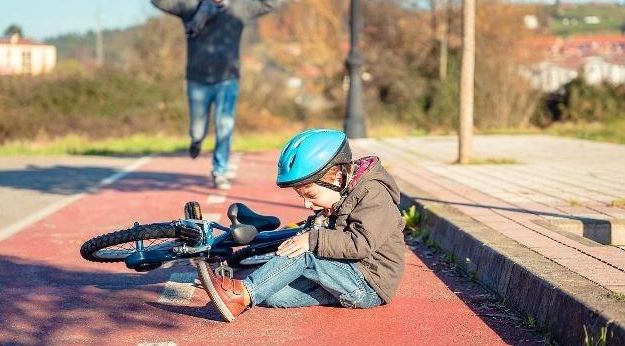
pixel 503 99
pixel 467 82
pixel 13 29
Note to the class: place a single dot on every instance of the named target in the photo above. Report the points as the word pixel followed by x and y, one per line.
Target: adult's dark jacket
pixel 368 228
pixel 213 51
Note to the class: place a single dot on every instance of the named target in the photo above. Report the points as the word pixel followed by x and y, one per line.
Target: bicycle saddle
pixel 239 213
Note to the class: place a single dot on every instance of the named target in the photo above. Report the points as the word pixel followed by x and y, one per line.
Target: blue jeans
pixel 223 96
pixel 308 280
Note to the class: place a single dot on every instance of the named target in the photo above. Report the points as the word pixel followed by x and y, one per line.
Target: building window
pixel 26 61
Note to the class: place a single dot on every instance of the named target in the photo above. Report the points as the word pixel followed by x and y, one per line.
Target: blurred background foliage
pixel 294 75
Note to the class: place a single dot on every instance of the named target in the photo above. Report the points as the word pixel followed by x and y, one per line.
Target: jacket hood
pixel 369 168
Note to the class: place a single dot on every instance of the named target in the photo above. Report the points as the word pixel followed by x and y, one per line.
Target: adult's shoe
pixel 221 182
pixel 194 149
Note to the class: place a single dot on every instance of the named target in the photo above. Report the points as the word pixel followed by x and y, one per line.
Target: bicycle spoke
pixel 125 249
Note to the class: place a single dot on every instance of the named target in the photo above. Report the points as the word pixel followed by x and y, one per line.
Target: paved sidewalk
pixel 52 296
pixel 558 198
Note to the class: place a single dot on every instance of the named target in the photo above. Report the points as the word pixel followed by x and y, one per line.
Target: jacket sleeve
pixel 179 8
pixel 369 225
pixel 251 9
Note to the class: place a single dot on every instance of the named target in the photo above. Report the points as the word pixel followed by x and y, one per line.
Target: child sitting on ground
pixel 355 259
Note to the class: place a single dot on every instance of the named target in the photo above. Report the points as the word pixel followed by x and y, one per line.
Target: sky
pixel 40 19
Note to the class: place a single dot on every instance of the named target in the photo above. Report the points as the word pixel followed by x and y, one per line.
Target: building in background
pixel 20 55
pixel 598 58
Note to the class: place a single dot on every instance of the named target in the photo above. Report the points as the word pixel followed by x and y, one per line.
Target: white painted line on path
pixel 212 217
pixel 178 289
pixel 160 343
pixel 10 230
pixel 215 199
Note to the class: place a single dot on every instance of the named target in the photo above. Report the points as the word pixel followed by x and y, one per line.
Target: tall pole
pixel 465 133
pixel 354 119
pixel 443 35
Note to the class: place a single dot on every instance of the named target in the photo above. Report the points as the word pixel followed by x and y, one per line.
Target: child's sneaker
pixel 221 182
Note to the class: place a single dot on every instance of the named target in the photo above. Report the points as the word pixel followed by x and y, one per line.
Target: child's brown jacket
pixel 368 228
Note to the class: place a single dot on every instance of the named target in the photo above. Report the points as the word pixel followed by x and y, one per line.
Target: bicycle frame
pixel 142 260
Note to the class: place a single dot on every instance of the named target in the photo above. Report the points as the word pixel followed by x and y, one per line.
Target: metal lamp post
pixel 354 119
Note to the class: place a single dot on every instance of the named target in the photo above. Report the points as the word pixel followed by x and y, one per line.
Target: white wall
pixel 42 58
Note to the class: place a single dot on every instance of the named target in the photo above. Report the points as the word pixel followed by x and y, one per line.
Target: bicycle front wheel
pixel 116 246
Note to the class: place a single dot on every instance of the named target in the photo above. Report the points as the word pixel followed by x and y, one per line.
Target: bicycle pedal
pixel 224 270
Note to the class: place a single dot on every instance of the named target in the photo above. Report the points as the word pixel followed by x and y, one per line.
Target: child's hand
pixel 294 246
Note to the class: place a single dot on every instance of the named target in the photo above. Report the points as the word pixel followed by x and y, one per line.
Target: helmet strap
pixel 329 186
pixel 347 177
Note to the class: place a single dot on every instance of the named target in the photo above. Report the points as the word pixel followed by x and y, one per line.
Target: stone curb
pixel 561 301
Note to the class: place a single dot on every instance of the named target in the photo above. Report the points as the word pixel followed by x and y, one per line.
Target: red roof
pixel 601 39
pixel 586 45
pixel 21 40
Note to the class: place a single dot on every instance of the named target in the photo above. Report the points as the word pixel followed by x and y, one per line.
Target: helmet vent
pixel 291 161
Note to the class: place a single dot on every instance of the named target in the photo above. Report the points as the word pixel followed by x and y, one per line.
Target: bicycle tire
pixel 90 250
pixel 254 254
pixel 192 210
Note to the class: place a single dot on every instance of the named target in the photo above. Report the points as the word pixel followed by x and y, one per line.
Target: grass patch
pixel 574 202
pixel 412 217
pixel 145 144
pixel 80 145
pixel 509 131
pixel 619 202
pixel 616 296
pixel 449 258
pixel 259 141
pixel 610 131
pixel 492 161
pixel 596 340
pixel 393 129
pixel 140 144
pixel 530 322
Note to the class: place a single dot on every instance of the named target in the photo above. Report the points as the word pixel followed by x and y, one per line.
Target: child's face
pixel 317 197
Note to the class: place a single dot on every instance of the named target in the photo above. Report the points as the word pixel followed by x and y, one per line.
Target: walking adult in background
pixel 213 30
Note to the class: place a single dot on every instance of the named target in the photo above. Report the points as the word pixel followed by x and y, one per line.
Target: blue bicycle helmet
pixel 310 154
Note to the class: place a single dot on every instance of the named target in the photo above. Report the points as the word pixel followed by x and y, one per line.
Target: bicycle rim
pixel 116 246
pixel 120 251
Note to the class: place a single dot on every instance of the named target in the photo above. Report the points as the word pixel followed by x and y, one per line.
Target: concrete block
pixel 493 270
pixel 563 308
pixel 530 293
pixel 562 301
pixel 607 232
pixel 618 231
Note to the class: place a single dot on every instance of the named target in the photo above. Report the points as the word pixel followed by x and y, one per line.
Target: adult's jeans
pixel 308 280
pixel 222 98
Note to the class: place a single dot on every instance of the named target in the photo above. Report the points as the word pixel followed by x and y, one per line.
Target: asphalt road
pixel 51 296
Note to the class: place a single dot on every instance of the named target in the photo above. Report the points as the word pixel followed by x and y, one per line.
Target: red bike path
pixel 50 295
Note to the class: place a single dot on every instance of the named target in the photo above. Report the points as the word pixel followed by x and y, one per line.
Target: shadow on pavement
pixel 68 180
pixel 485 304
pixel 41 303
pixel 208 312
